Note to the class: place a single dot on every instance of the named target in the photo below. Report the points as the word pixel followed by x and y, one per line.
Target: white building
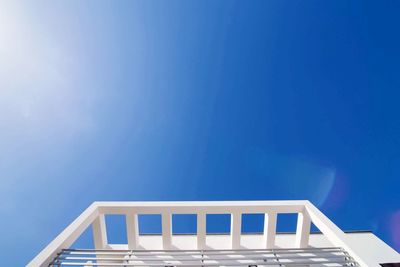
pixel 330 247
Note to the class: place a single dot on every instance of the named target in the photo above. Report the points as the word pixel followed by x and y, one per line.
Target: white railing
pixel 95 216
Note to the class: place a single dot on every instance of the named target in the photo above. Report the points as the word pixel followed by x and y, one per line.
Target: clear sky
pixel 197 100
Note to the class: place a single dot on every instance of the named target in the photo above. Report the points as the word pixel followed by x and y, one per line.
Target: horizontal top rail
pixel 193 207
pixel 245 203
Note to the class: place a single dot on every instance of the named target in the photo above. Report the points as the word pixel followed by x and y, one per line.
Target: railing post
pixel 100 232
pixel 132 230
pixel 303 229
pixel 201 230
pixel 166 225
pixel 269 229
pixel 236 224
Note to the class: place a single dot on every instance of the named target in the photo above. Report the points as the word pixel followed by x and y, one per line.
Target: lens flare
pixel 395 229
pixel 338 193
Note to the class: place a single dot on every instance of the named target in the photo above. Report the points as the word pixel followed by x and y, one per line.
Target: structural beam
pixel 269 229
pixel 132 230
pixel 66 238
pixel 100 232
pixel 236 225
pixel 166 226
pixel 303 229
pixel 201 230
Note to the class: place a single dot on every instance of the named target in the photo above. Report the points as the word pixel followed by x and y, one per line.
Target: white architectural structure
pixel 331 247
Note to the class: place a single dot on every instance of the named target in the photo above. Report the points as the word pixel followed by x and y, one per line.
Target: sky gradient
pixel 197 100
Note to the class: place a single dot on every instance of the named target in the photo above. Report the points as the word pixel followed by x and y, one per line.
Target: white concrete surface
pixel 366 248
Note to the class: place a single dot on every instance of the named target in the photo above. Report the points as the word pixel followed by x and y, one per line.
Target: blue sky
pixel 197 100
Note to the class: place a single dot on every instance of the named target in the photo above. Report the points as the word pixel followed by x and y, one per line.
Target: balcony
pixel 203 249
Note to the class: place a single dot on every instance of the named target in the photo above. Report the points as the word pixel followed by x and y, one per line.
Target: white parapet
pixel 307 214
